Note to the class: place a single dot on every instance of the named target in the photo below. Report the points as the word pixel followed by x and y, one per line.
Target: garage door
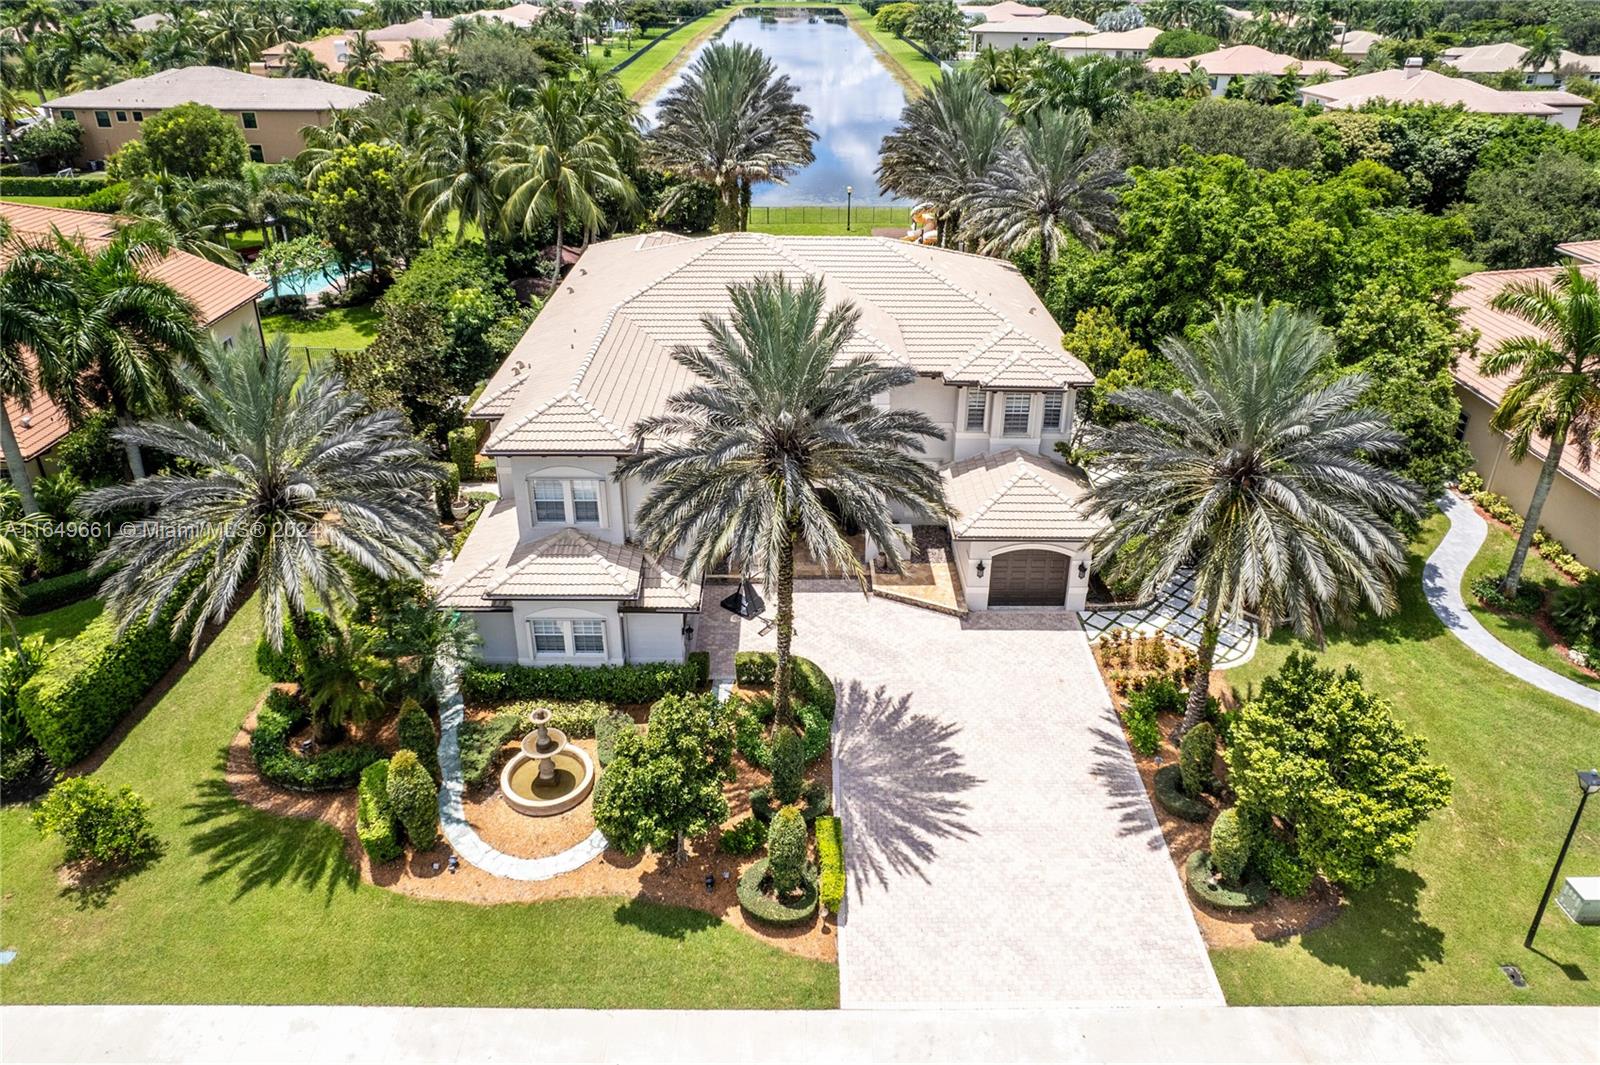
pixel 1028 578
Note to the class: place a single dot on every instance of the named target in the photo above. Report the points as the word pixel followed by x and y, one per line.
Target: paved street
pixel 999 845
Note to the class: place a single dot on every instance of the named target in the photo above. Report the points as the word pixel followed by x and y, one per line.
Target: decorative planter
pixel 459 509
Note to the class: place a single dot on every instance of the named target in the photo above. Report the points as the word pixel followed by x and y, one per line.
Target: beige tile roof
pixel 1128 40
pixel 1356 42
pixel 1496 58
pixel 435 28
pixel 1585 251
pixel 1013 495
pixel 1006 9
pixel 1243 60
pixel 1474 298
pixel 1401 86
pixel 666 588
pixel 226 90
pixel 1034 24
pixel 598 358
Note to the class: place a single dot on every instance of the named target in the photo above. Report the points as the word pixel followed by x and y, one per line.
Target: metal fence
pixel 862 215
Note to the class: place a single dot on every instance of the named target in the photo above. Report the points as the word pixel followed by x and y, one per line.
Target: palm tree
pixel 1260 88
pixel 264 197
pixel 1310 36
pixel 781 423
pixel 95 71
pixel 1257 476
pixel 1094 83
pixel 186 211
pixel 289 481
pixel 557 157
pixel 1049 184
pixel 364 61
pixel 299 62
pixel 1545 46
pixel 1556 390
pixel 32 291
pixel 731 122
pixel 457 162
pixel 947 139
pixel 234 34
pixel 1195 83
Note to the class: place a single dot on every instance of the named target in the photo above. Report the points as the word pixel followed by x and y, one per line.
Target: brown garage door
pixel 1028 578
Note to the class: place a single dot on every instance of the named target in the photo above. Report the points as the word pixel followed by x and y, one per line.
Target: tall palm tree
pixel 1048 185
pixel 264 197
pixel 1194 83
pixel 557 157
pixel 457 162
pixel 781 423
pixel 234 34
pixel 1556 391
pixel 1545 46
pixel 1095 83
pixel 947 139
pixel 1260 88
pixel 289 481
pixel 732 121
pixel 364 61
pixel 1257 476
pixel 299 62
pixel 32 291
pixel 187 211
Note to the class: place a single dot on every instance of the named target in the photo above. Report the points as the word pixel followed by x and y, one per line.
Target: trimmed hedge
pixel 1173 799
pixel 332 770
pixel 816 800
pixel 414 799
pixel 414 729
pixel 830 855
pixel 642 683
pixel 762 907
pixel 375 825
pixel 754 669
pixel 52 186
pixel 38 596
pixel 607 727
pixel 1197 872
pixel 89 682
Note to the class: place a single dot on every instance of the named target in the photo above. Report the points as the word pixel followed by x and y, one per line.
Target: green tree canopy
pixel 193 141
pixel 1520 213
pixel 358 205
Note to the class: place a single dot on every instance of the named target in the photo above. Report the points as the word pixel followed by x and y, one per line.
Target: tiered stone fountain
pixel 548 775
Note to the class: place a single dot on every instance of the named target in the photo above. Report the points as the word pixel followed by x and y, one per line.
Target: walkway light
pixel 849 191
pixel 1588 784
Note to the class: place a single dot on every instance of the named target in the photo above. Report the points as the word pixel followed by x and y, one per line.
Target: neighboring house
pixel 1123 44
pixel 1001 12
pixel 1243 61
pixel 426 28
pixel 150 23
pixel 1585 251
pixel 332 52
pixel 224 299
pixel 1572 510
pixel 1491 59
pixel 271 112
pixel 522 16
pixel 1355 43
pixel 553 573
pixel 1414 85
pixel 1026 32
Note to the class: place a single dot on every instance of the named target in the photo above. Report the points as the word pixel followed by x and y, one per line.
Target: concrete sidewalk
pixel 312 1034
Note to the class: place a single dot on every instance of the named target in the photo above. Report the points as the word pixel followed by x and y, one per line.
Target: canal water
pixel 854 101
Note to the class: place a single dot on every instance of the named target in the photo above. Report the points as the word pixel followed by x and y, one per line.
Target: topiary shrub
pixel 463 443
pixel 1197 872
pixel 777 911
pixel 743 837
pixel 414 799
pixel 830 856
pixel 1173 799
pixel 788 765
pixel 104 826
pixel 1230 846
pixel 607 727
pixel 331 770
pixel 375 825
pixel 1195 756
pixel 786 850
pixel 414 729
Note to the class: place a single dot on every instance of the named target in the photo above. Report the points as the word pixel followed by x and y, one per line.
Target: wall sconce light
pixel 980 569
pixel 1083 570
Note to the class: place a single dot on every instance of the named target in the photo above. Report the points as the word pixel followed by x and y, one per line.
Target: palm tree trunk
pixel 135 459
pixel 1530 524
pixel 1200 682
pixel 15 464
pixel 782 684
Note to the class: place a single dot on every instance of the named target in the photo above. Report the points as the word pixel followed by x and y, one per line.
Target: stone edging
pixel 453 819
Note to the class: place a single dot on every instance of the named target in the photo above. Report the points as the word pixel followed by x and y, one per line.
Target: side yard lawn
pixel 341 327
pixel 247 907
pixel 62 623
pixel 1437 927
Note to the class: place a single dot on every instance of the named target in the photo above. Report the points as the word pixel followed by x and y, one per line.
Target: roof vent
pixel 27 421
pixel 1413 66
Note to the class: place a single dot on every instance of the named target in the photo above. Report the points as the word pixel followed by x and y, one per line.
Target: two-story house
pixel 552 573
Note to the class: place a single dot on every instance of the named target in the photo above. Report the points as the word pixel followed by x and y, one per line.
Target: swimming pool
pixel 311 282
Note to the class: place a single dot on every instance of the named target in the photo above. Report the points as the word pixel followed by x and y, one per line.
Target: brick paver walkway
pixel 1000 848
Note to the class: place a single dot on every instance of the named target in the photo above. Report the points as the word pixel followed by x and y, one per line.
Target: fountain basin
pixel 574 778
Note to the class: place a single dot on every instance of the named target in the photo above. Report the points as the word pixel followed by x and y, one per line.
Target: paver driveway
pixel 1000 848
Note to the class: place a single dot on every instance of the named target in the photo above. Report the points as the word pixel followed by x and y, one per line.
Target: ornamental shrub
pixel 104 826
pixel 607 727
pixel 332 770
pixel 754 669
pixel 17 664
pixel 665 786
pixel 1195 755
pixel 742 837
pixel 1281 866
pixel 50 146
pixel 414 729
pixel 463 444
pixel 414 799
pixel 36 597
pixel 375 825
pixel 788 765
pixel 1230 846
pixel 1144 734
pixel 193 140
pixel 786 850
pixel 639 683
pixel 1576 611
pixel 830 856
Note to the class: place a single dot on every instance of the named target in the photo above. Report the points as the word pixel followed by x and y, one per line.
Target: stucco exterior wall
pixel 525 610
pixel 938 401
pixel 1004 42
pixel 239 325
pixel 968 553
pixel 277 133
pixel 515 472
pixel 497 630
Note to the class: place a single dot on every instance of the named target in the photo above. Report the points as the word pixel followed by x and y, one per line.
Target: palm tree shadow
pixel 1382 938
pixel 899 774
pixel 261 849
pixel 1114 768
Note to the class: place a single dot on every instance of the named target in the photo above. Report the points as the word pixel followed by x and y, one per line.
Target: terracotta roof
pixel 1585 251
pixel 38 427
pixel 1243 60
pixel 599 356
pixel 1400 86
pixel 1035 24
pixel 1013 495
pixel 332 52
pixel 1474 298
pixel 226 90
pixel 1127 40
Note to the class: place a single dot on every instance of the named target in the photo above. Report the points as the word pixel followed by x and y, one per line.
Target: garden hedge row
pixel 811 683
pixel 830 856
pixel 375 825
pixel 641 683
pixel 768 910
pixel 38 596
pixel 88 683
pixel 51 186
pixel 332 770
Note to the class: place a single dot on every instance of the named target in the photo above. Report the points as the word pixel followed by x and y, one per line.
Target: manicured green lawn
pixel 1519 634
pixel 825 221
pixel 62 623
pixel 1435 929
pixel 41 201
pixel 251 908
pixel 642 78
pixel 913 68
pixel 341 327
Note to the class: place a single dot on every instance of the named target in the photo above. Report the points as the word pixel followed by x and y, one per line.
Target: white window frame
pixel 569 502
pixel 1007 413
pixel 1060 399
pixel 560 634
pixel 572 633
pixel 566 631
pixel 981 398
pixel 534 500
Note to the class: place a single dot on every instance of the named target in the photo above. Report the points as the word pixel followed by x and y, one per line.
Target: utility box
pixel 1580 899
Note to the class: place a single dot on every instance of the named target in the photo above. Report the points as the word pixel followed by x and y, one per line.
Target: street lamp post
pixel 848 193
pixel 1588 784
